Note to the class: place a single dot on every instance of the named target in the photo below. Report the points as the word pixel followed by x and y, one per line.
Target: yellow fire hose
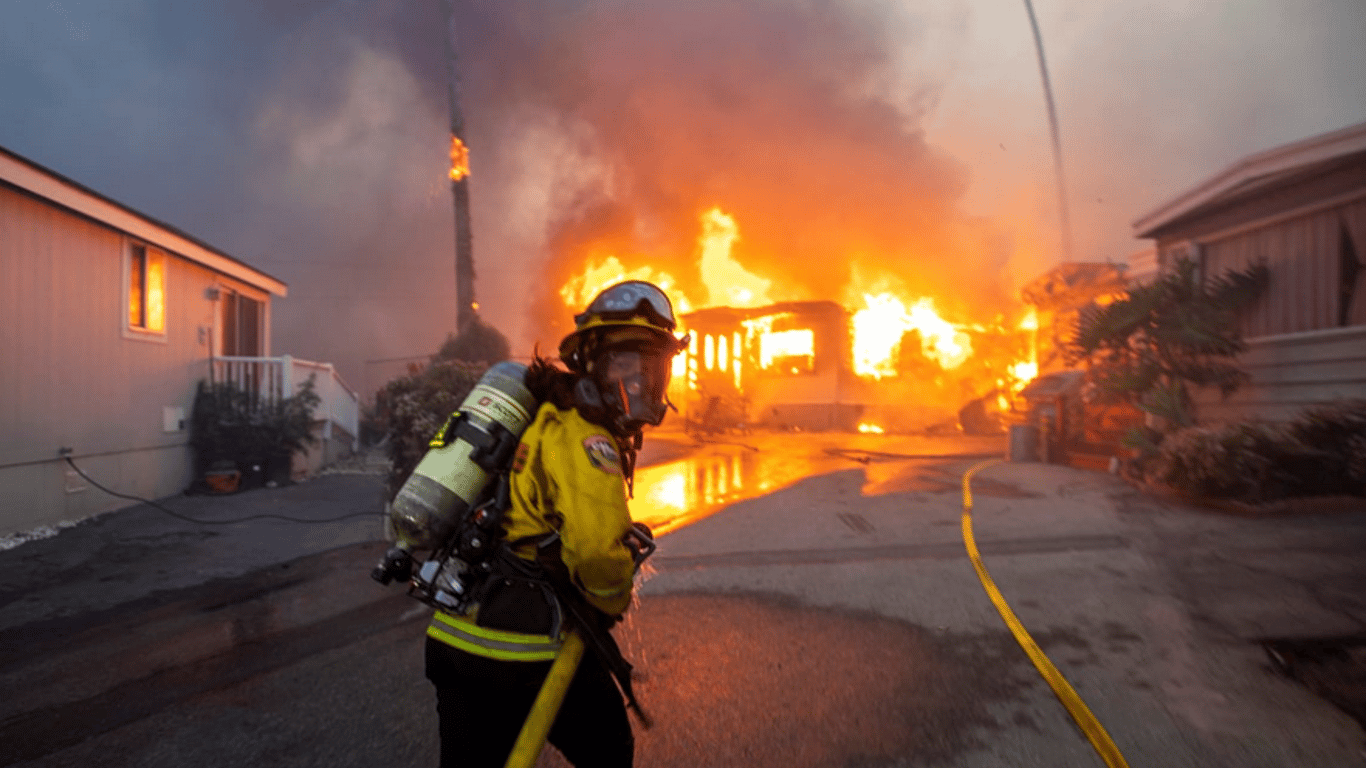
pixel 1090 726
pixel 547 705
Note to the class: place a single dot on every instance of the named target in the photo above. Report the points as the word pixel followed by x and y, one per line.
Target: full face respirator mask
pixel 630 384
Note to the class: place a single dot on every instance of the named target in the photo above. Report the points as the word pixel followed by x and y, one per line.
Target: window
pixel 146 290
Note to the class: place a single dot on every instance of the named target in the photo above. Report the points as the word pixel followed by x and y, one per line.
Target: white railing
pixel 272 378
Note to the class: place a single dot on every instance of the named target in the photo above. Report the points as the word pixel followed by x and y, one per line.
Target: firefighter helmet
pixel 633 312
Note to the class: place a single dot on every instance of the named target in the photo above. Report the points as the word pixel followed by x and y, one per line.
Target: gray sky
pixel 850 136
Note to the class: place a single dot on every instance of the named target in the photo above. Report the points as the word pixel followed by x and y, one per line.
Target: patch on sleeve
pixel 519 459
pixel 602 453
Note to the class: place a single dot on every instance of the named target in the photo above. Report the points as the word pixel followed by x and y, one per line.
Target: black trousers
pixel 482 704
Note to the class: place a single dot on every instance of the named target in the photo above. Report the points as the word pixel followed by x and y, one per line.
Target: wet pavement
pixel 674 491
pixel 811 604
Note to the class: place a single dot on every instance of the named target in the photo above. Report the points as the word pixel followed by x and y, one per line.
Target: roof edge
pixel 56 188
pixel 1285 157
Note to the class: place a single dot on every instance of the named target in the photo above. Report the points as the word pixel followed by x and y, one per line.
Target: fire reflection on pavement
pixel 671 495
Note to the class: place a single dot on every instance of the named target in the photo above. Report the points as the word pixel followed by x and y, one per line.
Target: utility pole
pixel 466 307
pixel 1057 142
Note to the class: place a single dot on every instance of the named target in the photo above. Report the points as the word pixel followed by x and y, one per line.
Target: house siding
pixel 71 377
pixel 1303 255
pixel 1298 355
pixel 1290 373
pixel 1288 208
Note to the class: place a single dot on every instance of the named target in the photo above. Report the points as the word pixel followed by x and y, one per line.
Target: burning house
pixel 881 359
pixel 785 365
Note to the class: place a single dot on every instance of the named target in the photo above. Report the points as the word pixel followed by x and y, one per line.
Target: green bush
pixel 412 408
pixel 229 423
pixel 1339 431
pixel 1322 452
pixel 1234 462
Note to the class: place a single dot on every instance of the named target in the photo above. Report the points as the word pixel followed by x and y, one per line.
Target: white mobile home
pixel 1301 210
pixel 108 320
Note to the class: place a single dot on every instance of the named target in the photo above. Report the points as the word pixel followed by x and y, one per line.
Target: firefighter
pixel 567 526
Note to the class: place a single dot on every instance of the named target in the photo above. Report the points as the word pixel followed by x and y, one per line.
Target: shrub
pixel 1228 462
pixel 1337 430
pixel 412 408
pixel 1321 453
pixel 478 342
pixel 229 423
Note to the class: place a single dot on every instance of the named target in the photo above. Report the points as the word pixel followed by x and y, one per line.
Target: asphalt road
pixel 819 617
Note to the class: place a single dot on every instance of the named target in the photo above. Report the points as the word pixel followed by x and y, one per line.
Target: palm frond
pixel 1168 401
pixel 1237 289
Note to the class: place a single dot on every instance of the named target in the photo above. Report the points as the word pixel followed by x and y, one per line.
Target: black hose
pixel 233 521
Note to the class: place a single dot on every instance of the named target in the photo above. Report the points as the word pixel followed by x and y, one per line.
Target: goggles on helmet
pixel 628 299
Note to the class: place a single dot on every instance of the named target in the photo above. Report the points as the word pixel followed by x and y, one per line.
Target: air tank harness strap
pixel 493 447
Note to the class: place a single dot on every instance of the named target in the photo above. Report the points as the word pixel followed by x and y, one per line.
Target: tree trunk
pixel 465 306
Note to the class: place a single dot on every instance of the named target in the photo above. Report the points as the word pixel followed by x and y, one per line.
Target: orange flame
pixel 579 290
pixel 880 326
pixel 460 159
pixel 793 349
pixel 777 343
pixel 727 282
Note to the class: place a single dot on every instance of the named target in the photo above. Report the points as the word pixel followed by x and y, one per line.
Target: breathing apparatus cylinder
pixel 454 476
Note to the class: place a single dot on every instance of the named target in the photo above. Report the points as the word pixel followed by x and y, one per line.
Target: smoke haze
pixel 855 137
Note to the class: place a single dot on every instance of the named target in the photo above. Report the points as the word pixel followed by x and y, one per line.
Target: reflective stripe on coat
pixel 461 632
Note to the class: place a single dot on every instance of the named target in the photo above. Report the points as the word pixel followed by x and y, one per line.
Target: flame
pixel 1021 372
pixel 780 344
pixel 794 349
pixel 460 159
pixel 881 324
pixel 579 290
pixel 999 357
pixel 727 282
pixel 1024 371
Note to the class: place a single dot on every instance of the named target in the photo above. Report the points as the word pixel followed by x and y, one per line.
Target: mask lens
pixel 622 365
pixel 640 379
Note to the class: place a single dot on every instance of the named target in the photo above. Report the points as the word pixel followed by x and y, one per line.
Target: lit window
pixel 146 290
pixel 722 358
pixel 735 357
pixel 709 352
